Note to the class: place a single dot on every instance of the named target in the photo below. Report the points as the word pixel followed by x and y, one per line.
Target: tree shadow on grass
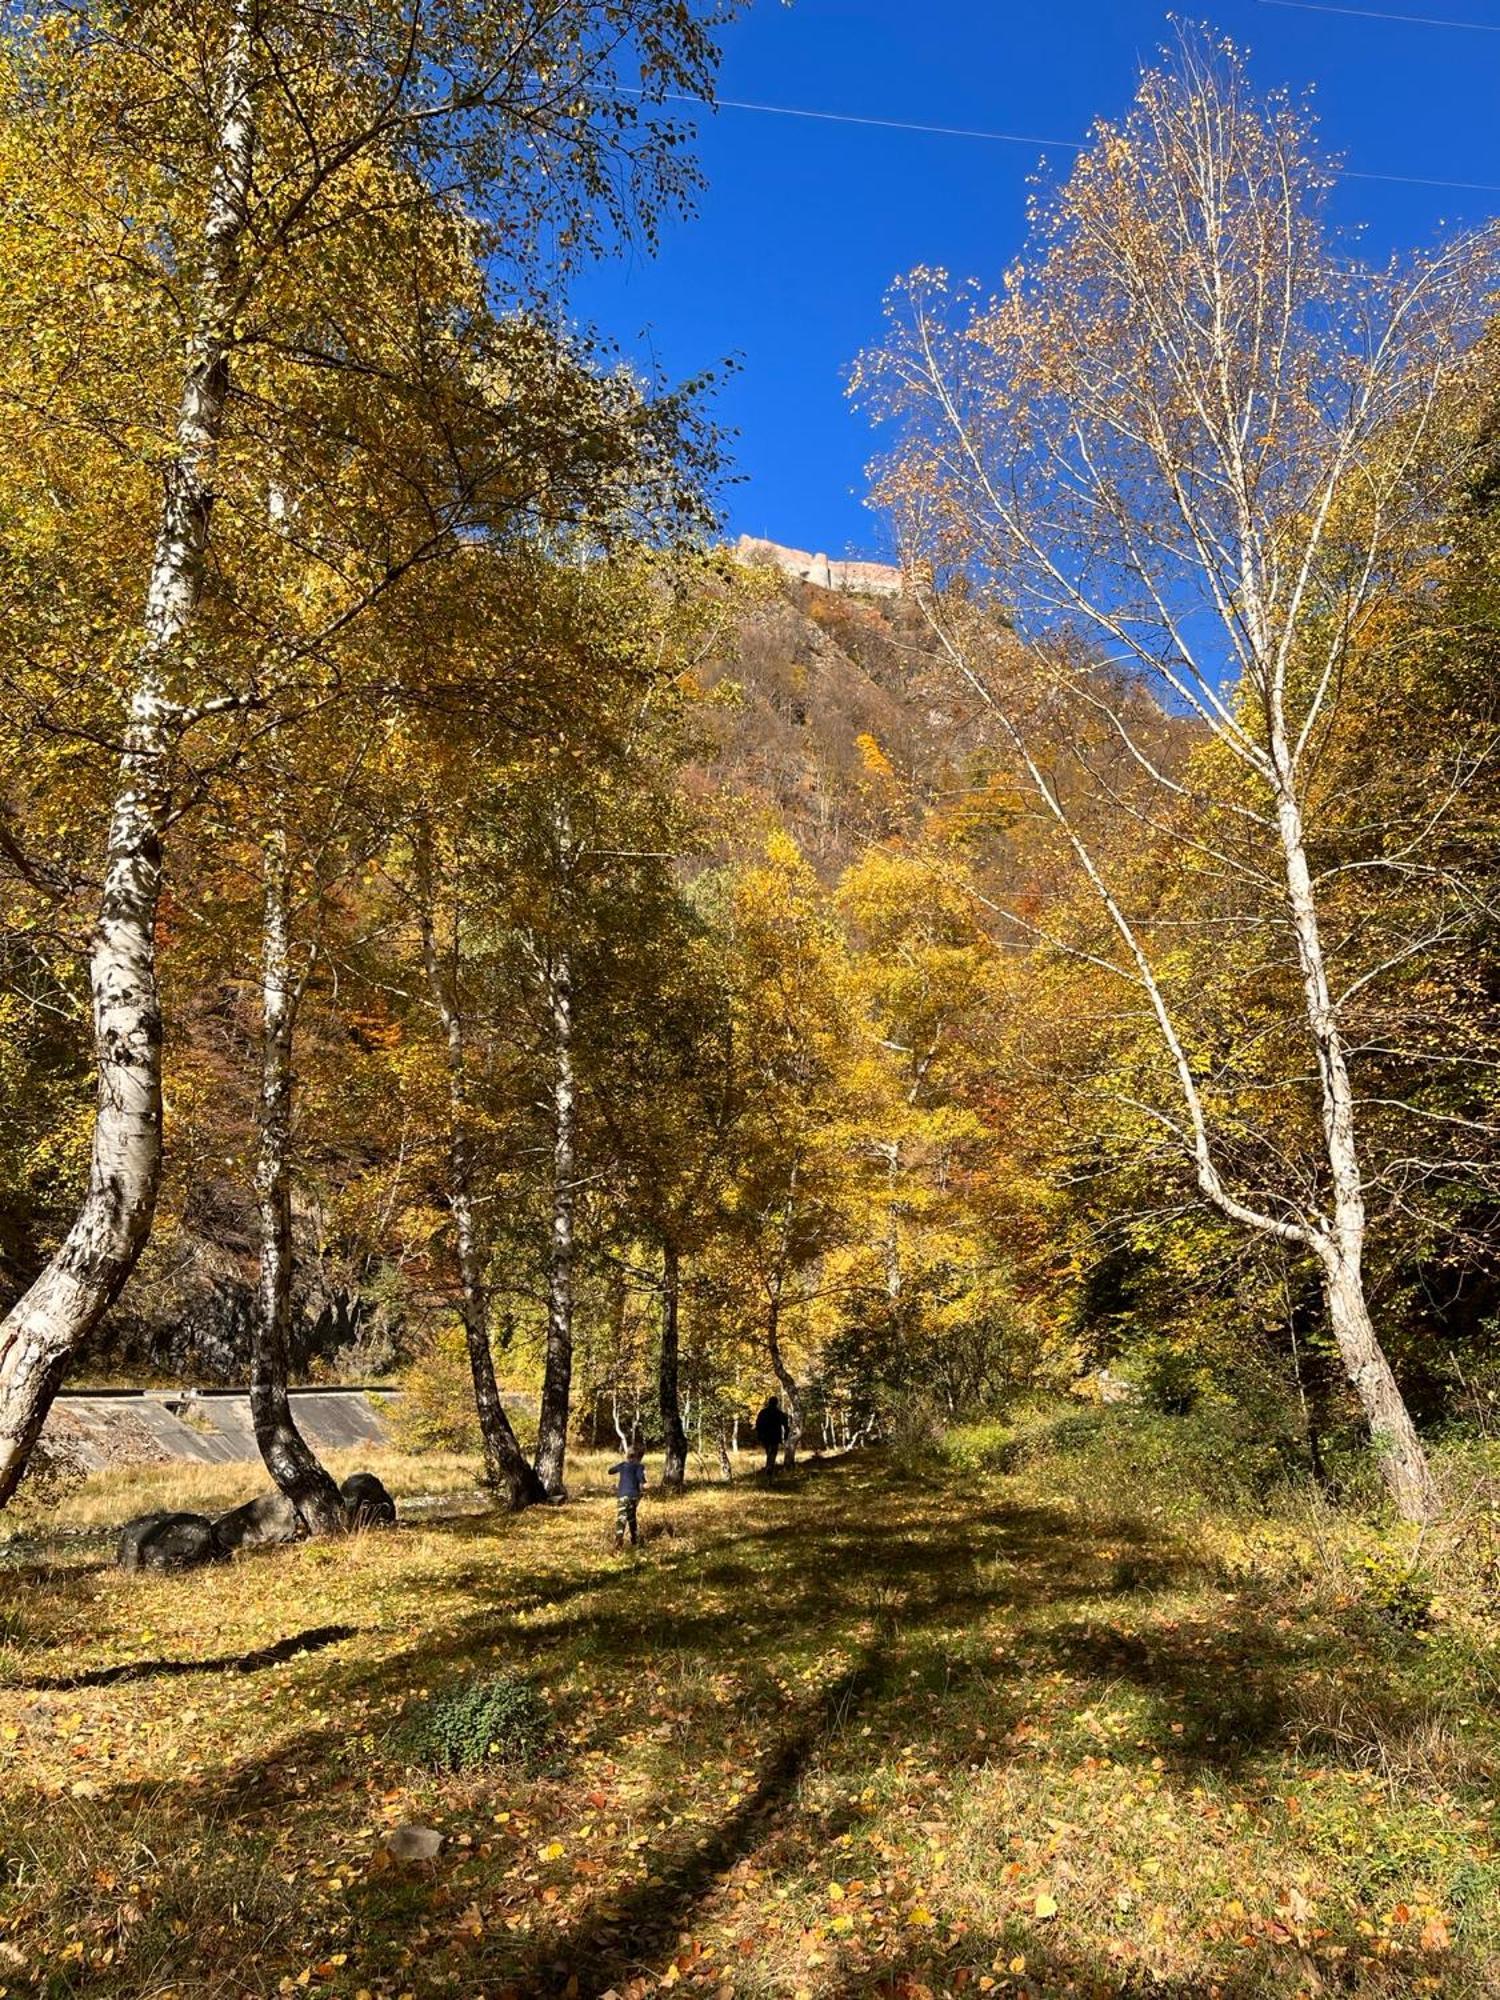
pixel 1221 1690
pixel 253 1662
pixel 906 1586
pixel 875 1575
pixel 623 1934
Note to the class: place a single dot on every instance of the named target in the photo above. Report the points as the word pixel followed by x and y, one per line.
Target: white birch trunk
pixel 1337 1240
pixel 506 1471
pixel 552 1429
pixel 1339 1243
pixel 66 1302
pixel 290 1460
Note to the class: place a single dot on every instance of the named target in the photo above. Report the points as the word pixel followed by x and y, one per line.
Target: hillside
pixel 840 722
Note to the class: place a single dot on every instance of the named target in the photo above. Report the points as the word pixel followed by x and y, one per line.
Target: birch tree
pixel 291 1462
pixel 506 1470
pixel 804 1152
pixel 555 972
pixel 269 145
pixel 596 831
pixel 1195 442
pixel 275 871
pixel 670 1106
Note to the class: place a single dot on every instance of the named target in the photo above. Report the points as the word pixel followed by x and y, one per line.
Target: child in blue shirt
pixel 631 1476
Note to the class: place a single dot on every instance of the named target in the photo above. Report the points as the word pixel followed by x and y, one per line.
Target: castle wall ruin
pixel 865 579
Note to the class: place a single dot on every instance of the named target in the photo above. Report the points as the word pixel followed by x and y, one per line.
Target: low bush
pixel 1393 1585
pixel 503 1720
pixel 1213 1454
pixel 436 1412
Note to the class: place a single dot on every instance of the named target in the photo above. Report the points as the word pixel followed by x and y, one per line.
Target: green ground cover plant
pixel 503 1718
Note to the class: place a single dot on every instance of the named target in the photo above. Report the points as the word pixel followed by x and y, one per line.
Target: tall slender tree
pixel 293 1465
pixel 507 1472
pixel 1199 429
pixel 299 141
pixel 556 972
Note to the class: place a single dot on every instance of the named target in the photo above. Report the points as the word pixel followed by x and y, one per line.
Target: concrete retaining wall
pixel 147 1426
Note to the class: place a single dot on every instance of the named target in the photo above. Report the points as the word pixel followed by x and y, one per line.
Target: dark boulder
pixel 167 1541
pixel 261 1523
pixel 368 1502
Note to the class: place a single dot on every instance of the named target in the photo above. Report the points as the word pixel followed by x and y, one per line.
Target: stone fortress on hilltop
pixel 866 579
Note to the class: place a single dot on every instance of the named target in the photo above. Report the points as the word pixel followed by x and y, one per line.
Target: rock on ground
pixel 260 1523
pixel 369 1503
pixel 167 1541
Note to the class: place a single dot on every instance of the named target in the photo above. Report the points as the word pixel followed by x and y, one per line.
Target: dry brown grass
pixel 875 1732
pixel 117 1492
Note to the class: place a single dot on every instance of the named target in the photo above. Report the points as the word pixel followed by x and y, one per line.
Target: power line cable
pixel 1417 181
pixel 884 124
pixel 1026 138
pixel 1380 14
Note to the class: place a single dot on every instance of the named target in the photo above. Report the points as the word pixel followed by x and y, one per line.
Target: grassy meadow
pixel 1049 1709
pixel 104 1499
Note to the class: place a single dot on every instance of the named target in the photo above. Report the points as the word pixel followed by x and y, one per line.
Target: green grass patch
pixel 501 1717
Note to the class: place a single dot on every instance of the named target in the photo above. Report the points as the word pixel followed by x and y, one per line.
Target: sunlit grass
pixel 114 1494
pixel 882 1729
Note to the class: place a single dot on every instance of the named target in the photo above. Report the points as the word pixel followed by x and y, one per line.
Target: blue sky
pixel 804 223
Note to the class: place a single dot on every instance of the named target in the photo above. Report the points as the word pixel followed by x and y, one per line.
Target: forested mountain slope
pixel 839 726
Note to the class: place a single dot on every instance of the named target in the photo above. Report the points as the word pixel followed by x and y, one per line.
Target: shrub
pixel 1394 1587
pixel 915 1427
pixel 979 1447
pixel 55 1470
pixel 437 1411
pixel 504 1719
pixel 1214 1456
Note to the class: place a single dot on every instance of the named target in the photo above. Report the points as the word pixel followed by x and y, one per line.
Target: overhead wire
pixel 884 124
pixel 1382 14
pixel 1025 138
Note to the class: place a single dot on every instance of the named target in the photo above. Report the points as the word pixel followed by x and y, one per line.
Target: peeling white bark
pixel 1335 1239
pixel 289 1459
pixel 1339 1239
pixel 552 1428
pixel 66 1302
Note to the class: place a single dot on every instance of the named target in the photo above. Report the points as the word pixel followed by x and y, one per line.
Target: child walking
pixel 630 1475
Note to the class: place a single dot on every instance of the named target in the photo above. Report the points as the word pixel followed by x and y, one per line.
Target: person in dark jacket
pixel 630 1478
pixel 771 1428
